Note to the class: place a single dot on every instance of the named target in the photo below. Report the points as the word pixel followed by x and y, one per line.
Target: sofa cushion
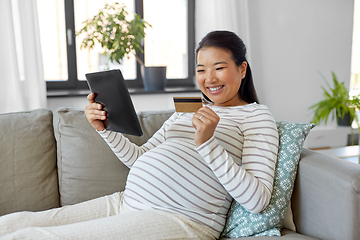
pixel 28 176
pixel 240 222
pixel 87 166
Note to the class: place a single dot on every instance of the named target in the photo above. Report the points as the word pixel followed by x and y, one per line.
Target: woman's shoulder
pixel 259 111
pixel 252 108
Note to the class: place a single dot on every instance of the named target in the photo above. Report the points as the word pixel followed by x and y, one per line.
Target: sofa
pixel 51 159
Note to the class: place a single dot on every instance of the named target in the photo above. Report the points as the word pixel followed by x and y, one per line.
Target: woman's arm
pixel 251 183
pixel 126 151
pixel 129 152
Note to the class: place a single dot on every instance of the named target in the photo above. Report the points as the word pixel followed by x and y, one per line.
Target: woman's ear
pixel 243 68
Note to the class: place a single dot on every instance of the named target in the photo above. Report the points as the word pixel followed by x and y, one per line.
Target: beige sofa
pixel 49 160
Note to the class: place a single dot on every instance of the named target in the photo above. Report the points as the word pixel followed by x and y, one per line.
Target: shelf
pixel 349 153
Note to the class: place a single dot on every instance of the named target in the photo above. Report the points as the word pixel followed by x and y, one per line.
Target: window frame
pixel 73 83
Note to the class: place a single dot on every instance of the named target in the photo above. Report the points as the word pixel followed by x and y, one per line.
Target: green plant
pixel 337 102
pixel 117 35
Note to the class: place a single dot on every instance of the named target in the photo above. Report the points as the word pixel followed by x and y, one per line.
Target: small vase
pixel 346 120
pixel 154 78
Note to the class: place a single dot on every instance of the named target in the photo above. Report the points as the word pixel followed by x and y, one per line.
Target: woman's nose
pixel 211 77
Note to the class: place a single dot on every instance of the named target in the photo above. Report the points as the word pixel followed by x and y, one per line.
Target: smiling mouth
pixel 215 88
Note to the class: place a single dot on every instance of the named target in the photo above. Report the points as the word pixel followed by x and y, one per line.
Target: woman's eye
pixel 200 70
pixel 219 68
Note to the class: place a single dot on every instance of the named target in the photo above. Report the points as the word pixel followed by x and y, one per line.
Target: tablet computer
pixel 111 91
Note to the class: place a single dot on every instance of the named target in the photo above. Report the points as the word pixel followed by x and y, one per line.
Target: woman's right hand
pixel 94 113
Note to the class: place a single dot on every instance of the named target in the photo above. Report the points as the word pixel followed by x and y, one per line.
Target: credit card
pixel 187 104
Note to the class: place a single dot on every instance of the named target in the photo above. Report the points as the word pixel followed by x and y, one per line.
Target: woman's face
pixel 218 76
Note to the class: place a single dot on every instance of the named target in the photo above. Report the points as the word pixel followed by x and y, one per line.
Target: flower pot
pixel 346 120
pixel 154 78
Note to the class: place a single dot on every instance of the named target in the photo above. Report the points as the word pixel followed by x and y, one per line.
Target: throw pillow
pixel 28 174
pixel 240 222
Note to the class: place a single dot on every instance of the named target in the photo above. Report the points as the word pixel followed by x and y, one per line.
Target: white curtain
pixel 21 80
pixel 232 15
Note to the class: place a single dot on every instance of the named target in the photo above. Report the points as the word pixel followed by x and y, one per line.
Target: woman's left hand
pixel 204 121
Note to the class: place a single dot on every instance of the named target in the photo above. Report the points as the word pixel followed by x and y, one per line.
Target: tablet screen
pixel 111 91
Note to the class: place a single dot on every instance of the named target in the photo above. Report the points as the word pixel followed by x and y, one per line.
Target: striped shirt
pixel 170 173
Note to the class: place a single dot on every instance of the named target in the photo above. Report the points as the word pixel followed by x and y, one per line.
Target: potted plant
pixel 338 103
pixel 119 37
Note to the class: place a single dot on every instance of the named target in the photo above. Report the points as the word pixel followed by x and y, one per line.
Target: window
pixel 170 41
pixel 355 58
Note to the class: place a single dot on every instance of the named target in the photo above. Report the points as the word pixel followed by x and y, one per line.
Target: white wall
pixel 291 40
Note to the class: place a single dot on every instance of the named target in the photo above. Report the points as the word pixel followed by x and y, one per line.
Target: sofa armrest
pixel 326 198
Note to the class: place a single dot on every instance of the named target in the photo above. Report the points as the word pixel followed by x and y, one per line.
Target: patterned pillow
pixel 240 222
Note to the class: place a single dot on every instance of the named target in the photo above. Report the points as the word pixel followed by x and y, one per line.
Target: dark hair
pixel 231 42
